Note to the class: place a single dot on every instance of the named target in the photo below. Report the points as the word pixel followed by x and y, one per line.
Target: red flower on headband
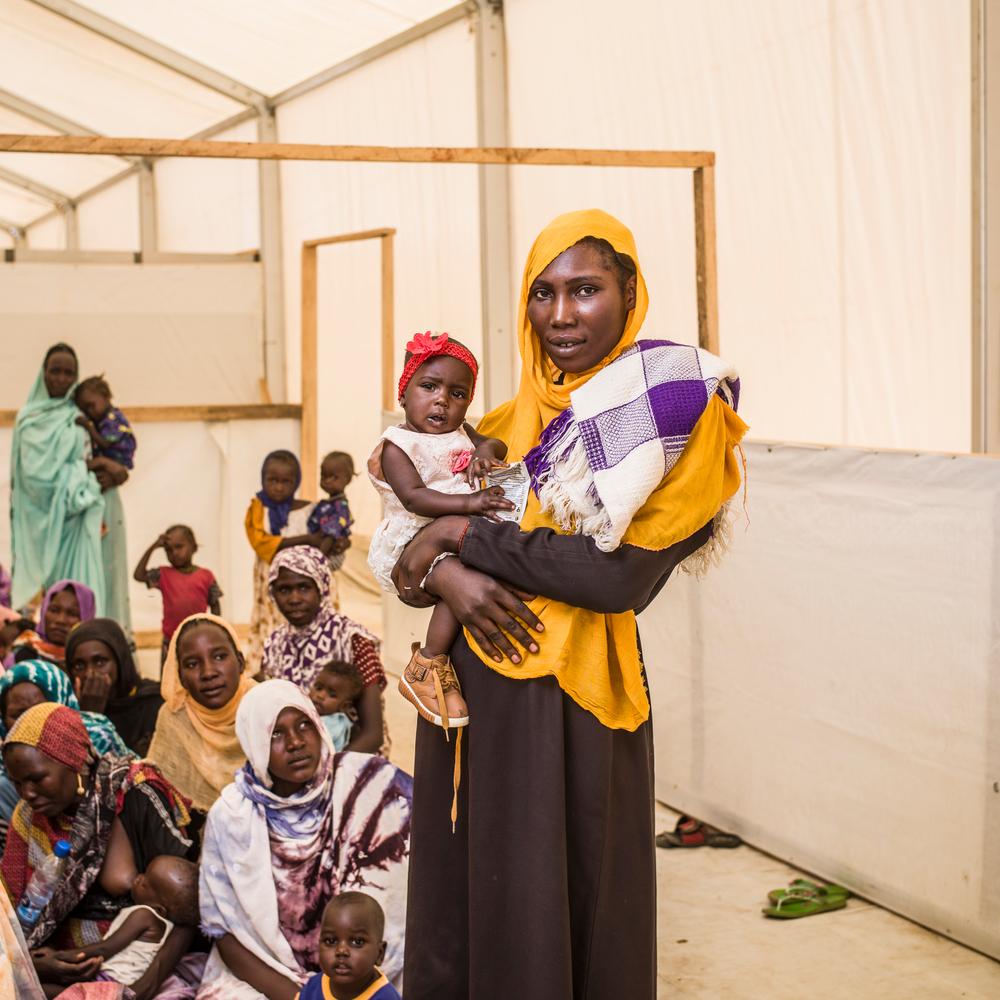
pixel 427 343
pixel 425 346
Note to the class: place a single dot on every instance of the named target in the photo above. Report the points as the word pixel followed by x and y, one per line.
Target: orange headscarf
pixel 595 657
pixel 196 747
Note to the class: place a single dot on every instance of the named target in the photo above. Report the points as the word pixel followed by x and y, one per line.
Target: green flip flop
pixel 829 890
pixel 799 901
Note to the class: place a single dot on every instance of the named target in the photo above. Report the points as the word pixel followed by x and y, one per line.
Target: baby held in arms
pixel 423 469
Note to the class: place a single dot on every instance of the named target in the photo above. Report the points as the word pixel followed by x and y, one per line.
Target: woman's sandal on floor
pixel 429 683
pixel 805 899
pixel 690 832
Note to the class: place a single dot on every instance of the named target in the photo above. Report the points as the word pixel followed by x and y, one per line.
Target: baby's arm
pixel 417 498
pixel 141 925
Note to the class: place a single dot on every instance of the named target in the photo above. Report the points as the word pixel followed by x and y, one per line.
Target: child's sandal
pixel 430 682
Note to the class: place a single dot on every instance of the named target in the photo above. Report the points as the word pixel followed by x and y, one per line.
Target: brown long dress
pixel 547 889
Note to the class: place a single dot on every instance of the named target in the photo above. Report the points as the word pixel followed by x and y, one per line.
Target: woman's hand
pixel 491 611
pixel 443 534
pixel 93 691
pixel 64 967
pixel 109 472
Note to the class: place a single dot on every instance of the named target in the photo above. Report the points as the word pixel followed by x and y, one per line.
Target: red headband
pixel 426 346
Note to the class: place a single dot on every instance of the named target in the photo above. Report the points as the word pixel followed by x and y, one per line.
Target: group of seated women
pixel 209 818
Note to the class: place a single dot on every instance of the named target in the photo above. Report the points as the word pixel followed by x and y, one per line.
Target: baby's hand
pixel 487 502
pixel 481 466
pixel 82 421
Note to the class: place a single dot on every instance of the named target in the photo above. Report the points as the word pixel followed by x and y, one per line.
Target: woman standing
pixel 56 503
pixel 553 859
pixel 300 825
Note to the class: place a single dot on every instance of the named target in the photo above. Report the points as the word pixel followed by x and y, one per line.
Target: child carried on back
pixel 423 469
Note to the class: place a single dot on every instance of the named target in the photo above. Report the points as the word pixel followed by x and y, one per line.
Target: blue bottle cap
pixel 62 849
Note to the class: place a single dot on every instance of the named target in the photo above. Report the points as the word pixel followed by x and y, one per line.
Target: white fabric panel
pixel 164 334
pixel 209 206
pixel 20 206
pixel 266 45
pixel 48 235
pixel 110 220
pixel 104 86
pixel 434 209
pixel 831 691
pixel 842 134
pixel 198 474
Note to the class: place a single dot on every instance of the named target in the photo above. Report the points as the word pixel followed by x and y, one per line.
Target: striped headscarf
pixel 58 732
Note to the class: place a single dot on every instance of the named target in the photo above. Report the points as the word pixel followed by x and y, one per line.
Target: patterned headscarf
pixel 278 511
pixel 56 687
pixel 56 731
pixel 295 653
pixel 270 864
pixel 84 597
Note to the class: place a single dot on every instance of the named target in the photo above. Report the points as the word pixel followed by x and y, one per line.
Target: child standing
pixel 334 691
pixel 110 432
pixel 351 944
pixel 165 896
pixel 424 469
pixel 187 589
pixel 276 519
pixel 331 517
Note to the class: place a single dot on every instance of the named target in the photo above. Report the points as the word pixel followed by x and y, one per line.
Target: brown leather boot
pixel 429 683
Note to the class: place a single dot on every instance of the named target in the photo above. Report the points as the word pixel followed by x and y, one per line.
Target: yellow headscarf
pixel 595 657
pixel 196 747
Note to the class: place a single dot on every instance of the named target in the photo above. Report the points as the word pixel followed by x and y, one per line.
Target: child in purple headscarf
pixel 66 604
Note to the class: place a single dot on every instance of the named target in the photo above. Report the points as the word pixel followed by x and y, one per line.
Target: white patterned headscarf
pixel 296 653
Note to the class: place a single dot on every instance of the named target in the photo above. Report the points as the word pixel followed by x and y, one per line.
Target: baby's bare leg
pixel 441 632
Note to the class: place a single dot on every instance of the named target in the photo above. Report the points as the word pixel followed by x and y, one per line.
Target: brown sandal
pixel 429 683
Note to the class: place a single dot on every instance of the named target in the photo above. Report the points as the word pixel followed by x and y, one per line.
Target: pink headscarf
pixel 84 597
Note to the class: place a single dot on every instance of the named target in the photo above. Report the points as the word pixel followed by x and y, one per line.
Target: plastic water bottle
pixel 42 885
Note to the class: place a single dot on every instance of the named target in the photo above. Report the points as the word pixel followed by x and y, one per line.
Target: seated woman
pixel 315 634
pixel 31 683
pixel 300 825
pixel 65 605
pixel 117 813
pixel 204 681
pixel 106 680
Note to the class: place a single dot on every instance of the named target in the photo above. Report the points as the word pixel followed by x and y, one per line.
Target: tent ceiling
pixel 76 73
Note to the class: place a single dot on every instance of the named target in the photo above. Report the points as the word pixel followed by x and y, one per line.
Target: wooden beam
pixel 104 146
pixel 388 324
pixel 309 379
pixel 706 272
pixel 187 414
pixel 365 234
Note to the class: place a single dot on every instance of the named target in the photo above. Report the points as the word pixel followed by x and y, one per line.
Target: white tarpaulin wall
pixel 163 334
pixel 832 690
pixel 194 473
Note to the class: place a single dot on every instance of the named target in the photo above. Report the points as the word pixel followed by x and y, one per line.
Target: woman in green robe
pixel 57 507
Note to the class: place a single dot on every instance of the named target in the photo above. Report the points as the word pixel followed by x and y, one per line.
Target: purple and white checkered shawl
pixel 597 463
